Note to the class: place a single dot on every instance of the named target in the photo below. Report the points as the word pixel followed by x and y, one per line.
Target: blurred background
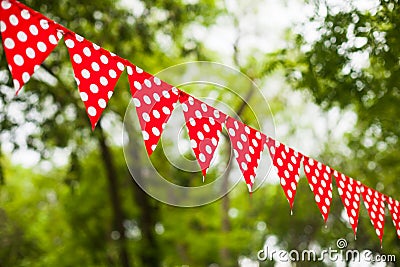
pixel 329 69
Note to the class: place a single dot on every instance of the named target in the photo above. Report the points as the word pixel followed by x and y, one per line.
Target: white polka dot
pixel 137 85
pixel 289 193
pixel 92 111
pixel 112 74
pixel 14 20
pixel 102 103
pixel 77 59
pixel 192 122
pixel 283 181
pixel 166 94
pixel 129 69
pixel 208 149
pixel 44 24
pixel 83 96
pixel 59 35
pixel 146 117
pixel 280 162
pixel 42 47
pixel 202 157
pixel 147 83
pixel 69 43
pixel 153 147
pixel 25 14
pixel 258 135
pixel 95 66
pixel 156 97
pixel 193 143
pixel 147 100
pixel 85 74
pixel 22 36
pixel 34 30
pixel 25 77
pixel 232 132
pixel 204 107
pixel 214 141
pixel 94 88
pixel 324 210
pixel 200 135
pixel 78 82
pixel 198 115
pixel 79 38
pixel 166 110
pixel 87 51
pixel 156 114
pixel 317 198
pixel 287 175
pixel 378 232
pixel 52 39
pixel 120 66
pixel 19 61
pixel 157 81
pixel 239 145
pixel 103 81
pixel 96 47
pixel 244 166
pixel 9 43
pixel 138 70
pixel 104 59
pixel 155 131
pixel 136 102
pixel 251 149
pixel 17 86
pixel 206 128
pixel 110 94
pixel 211 120
pixel 5 4
pixel 3 26
pixel 243 137
pixel 248 158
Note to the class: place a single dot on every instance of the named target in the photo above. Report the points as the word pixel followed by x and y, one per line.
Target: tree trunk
pixel 116 205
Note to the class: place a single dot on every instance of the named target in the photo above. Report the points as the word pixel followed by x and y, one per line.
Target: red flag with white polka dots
pixel 375 204
pixel 204 124
pixel 248 144
pixel 394 208
pixel 320 181
pixel 349 191
pixel 154 101
pixel 96 72
pixel 287 163
pixel 28 39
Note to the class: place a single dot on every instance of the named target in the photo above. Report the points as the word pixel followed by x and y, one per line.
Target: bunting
pixel 154 101
pixel 96 73
pixel 375 204
pixel 319 179
pixel 29 37
pixel 204 124
pixel 248 145
pixel 349 191
pixel 394 208
pixel 287 163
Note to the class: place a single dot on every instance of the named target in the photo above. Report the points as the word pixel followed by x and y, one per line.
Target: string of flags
pixel 28 38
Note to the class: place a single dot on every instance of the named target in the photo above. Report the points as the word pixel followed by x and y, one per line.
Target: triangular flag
pixel 349 191
pixel 96 72
pixel 28 39
pixel 394 208
pixel 248 144
pixel 287 163
pixel 154 101
pixel 204 124
pixel 374 202
pixel 319 179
